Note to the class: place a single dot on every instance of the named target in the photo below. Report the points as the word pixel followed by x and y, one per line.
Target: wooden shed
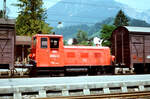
pixel 131 47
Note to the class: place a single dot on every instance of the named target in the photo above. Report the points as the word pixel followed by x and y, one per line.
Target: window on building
pixel 43 42
pixel 54 42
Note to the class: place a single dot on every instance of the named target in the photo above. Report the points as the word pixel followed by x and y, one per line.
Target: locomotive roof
pixel 87 47
pixel 50 35
pixel 137 29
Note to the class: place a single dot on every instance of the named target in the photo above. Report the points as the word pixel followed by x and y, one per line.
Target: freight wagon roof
pixel 23 40
pixel 137 29
pixel 87 47
pixel 7 21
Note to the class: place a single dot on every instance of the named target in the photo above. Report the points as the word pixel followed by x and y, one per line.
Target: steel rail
pixel 102 96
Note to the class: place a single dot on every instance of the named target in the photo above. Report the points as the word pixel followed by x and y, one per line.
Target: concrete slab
pixel 72 80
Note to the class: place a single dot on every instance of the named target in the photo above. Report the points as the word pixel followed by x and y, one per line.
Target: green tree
pixel 106 33
pixel 82 37
pixel 1 13
pixel 45 28
pixel 121 19
pixel 31 18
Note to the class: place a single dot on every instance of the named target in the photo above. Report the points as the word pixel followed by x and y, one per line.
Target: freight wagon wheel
pixel 12 72
pixel 139 68
pixel 147 67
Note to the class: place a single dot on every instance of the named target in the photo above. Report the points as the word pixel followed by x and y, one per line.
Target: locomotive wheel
pixel 33 72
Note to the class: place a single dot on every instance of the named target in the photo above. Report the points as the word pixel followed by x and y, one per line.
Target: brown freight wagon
pixel 7 43
pixel 131 47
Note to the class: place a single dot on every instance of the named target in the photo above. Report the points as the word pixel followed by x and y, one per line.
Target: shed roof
pixel 23 40
pixel 138 29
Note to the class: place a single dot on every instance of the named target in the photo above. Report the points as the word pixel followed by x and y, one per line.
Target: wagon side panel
pixel 7 40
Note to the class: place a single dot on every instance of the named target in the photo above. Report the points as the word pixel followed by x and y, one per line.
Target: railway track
pixel 27 76
pixel 89 87
pixel 22 74
pixel 131 95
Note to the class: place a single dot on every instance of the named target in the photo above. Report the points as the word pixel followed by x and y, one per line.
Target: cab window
pixel 34 42
pixel 43 42
pixel 54 42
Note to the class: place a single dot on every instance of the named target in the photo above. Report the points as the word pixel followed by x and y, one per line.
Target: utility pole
pixel 4 9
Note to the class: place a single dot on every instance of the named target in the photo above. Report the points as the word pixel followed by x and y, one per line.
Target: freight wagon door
pixel 56 52
pixel 6 48
pixel 137 55
pixel 147 49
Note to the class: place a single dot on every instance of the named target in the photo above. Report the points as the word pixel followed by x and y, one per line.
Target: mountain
pixel 74 12
pixel 138 23
pixel 94 30
pixel 145 16
pixel 90 15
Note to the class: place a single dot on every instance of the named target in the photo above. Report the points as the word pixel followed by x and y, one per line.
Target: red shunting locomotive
pixel 48 52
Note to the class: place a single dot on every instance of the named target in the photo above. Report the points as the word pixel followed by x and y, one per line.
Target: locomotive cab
pixel 47 50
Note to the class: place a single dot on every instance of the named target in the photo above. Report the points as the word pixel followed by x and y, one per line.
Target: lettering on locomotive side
pixel 54 63
pixel 54 51
pixel 54 56
pixel 84 60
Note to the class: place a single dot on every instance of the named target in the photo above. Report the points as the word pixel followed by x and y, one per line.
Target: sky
pixel 14 10
pixel 137 4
